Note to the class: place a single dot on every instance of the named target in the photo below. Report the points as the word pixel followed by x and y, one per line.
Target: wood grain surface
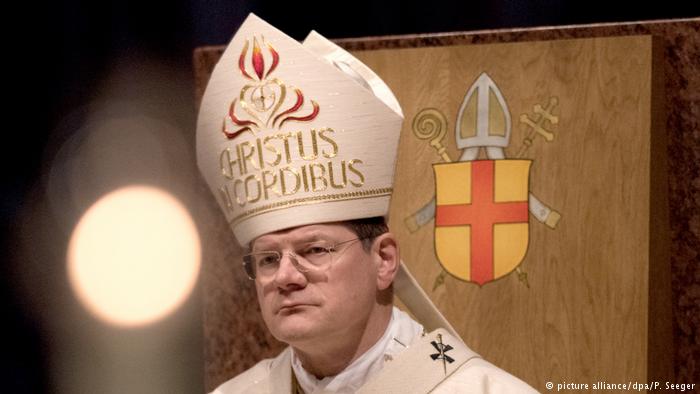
pixel 588 277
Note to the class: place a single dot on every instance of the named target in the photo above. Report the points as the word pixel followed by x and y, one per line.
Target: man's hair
pixel 367 229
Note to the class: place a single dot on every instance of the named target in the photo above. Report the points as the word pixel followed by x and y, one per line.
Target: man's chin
pixel 294 327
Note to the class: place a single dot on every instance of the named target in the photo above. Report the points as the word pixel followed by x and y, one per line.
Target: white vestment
pixel 403 361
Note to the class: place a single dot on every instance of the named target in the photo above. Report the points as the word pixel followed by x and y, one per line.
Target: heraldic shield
pixel 481 217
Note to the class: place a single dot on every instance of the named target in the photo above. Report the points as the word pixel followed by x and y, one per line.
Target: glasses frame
pixel 251 273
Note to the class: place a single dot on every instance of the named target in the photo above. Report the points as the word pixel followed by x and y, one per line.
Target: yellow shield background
pixel 461 251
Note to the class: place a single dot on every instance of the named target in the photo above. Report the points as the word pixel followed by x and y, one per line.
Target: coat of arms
pixel 481 205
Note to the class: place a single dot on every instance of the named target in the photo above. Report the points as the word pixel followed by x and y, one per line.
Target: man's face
pixel 318 304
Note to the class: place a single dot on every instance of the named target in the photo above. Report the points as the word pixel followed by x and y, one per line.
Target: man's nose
pixel 288 274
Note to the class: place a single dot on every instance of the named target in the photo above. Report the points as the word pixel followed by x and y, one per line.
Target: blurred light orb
pixel 134 256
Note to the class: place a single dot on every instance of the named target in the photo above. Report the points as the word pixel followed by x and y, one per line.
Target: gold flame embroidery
pixel 259 101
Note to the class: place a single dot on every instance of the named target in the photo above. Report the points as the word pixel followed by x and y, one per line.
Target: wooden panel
pixel 588 277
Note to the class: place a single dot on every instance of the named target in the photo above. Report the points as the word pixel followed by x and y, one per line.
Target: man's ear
pixel 386 250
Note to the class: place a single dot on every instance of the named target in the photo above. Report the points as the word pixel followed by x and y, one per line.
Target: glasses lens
pixel 315 256
pixel 261 264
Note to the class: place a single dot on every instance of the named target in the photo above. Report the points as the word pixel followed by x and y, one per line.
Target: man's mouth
pixel 292 308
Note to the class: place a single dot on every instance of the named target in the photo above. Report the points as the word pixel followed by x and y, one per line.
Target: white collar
pixel 400 332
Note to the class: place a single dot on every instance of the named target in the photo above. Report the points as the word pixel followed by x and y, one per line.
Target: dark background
pixel 59 56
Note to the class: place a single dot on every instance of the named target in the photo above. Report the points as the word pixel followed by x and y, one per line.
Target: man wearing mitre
pixel 298 143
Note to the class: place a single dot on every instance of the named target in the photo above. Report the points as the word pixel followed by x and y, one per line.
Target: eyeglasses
pixel 312 257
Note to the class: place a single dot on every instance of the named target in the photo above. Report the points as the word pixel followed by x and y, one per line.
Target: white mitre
pixel 291 134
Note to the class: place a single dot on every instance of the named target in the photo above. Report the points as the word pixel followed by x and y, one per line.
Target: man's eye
pixel 267 260
pixel 316 250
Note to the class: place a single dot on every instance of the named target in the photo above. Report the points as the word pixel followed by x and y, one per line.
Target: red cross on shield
pixel 481 217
